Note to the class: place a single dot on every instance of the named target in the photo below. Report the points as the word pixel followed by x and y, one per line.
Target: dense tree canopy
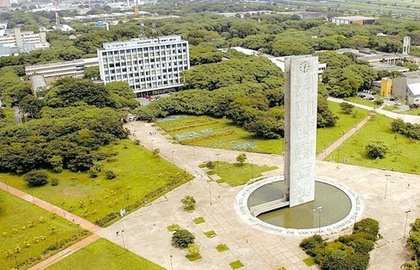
pixel 73 134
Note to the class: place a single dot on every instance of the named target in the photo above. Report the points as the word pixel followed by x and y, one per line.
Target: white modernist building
pixel 149 66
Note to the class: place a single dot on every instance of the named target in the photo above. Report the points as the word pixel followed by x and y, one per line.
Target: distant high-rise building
pixel 406 45
pixel 149 66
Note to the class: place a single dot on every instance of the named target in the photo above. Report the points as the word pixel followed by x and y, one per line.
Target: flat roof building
pixel 149 66
pixel 353 20
pixel 61 69
pixel 22 41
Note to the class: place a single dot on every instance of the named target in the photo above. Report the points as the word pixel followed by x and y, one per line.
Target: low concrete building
pixel 353 20
pixel 65 68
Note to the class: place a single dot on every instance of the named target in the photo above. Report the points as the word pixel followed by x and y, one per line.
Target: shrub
pixel 310 244
pixel 210 165
pixel 368 226
pixel 241 158
pixel 36 178
pixel 347 108
pixel 110 175
pixel 376 149
pixel 54 182
pixel 182 238
pixel 189 203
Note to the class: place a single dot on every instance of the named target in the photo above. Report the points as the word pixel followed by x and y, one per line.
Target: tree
pixel 36 178
pixel 31 105
pixel 70 91
pixel 91 73
pixel 241 158
pixel 188 202
pixel 182 238
pixel 347 108
pixel 376 149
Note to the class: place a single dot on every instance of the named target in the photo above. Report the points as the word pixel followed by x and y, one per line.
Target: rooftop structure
pixel 353 20
pixel 149 66
pixel 65 68
pixel 17 41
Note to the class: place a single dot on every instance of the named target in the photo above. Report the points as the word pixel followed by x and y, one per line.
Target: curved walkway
pixel 414 119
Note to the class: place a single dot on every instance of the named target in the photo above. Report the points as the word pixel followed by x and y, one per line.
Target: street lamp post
pixel 386 184
pixel 152 144
pixel 319 209
pixel 406 220
pixel 338 157
pixel 170 258
pixel 173 156
pixel 122 236
pixel 209 181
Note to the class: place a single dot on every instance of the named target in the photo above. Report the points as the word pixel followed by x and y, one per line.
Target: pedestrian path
pixel 65 253
pixel 83 223
pixel 413 119
pixel 342 139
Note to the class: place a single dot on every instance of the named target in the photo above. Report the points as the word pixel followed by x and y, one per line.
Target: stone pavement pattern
pixel 145 230
pixel 146 233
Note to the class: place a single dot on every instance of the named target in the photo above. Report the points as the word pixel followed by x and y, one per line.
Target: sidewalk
pixel 83 223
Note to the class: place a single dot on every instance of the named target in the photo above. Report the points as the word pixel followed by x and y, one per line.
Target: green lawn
pixel 217 133
pixel 28 231
pixel 222 133
pixel 140 177
pixel 103 254
pixel 403 154
pixel 362 101
pixel 345 122
pixel 236 175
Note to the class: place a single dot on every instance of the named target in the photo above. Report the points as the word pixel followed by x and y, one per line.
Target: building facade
pixel 17 41
pixel 149 66
pixel 353 20
pixel 61 69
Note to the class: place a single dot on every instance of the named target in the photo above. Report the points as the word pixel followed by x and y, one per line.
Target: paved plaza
pixel 145 231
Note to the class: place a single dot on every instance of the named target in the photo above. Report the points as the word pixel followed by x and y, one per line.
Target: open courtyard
pixel 387 198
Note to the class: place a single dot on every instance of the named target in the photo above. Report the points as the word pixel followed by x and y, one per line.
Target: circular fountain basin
pixel 336 207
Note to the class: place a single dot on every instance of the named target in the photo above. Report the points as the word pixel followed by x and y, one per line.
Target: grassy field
pixel 217 133
pixel 236 175
pixel 403 153
pixel 222 133
pixel 29 232
pixel 326 136
pixel 362 101
pixel 139 176
pixel 103 254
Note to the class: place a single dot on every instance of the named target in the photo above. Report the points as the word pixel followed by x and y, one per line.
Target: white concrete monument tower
pixel 301 91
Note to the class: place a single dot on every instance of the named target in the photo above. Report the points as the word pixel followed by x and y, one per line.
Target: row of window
pixel 144 61
pixel 150 48
pixel 132 78
pixel 162 57
pixel 158 67
pixel 152 85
